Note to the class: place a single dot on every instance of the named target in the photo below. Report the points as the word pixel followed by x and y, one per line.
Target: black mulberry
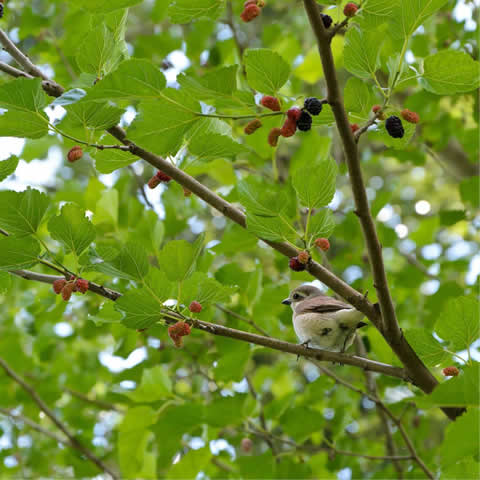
pixel 1 10
pixel 304 123
pixel 394 127
pixel 313 105
pixel 327 20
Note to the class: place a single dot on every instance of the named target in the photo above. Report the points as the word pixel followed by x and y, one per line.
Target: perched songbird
pixel 321 321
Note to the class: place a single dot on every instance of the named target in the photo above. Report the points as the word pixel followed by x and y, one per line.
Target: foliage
pixel 107 368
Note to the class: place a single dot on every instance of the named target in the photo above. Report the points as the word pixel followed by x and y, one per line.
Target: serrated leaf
pixel 358 98
pixel 408 15
pixel 90 116
pixel 321 224
pixel 449 72
pixel 23 95
pixel 23 124
pixel 131 263
pixel 22 212
pixel 72 228
pixel 362 52
pixel 134 79
pixel 178 258
pixel 184 11
pixel 107 161
pixel 454 446
pixel 221 81
pixel 376 12
pixel 100 52
pixel 461 391
pixel 17 253
pixel 201 288
pixel 274 229
pixel 266 70
pixel 459 323
pixel 140 308
pixel 8 166
pixel 155 386
pixel 213 146
pixel 315 182
pixel 430 350
pixel 161 125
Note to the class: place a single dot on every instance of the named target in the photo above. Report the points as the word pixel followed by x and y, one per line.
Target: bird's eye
pixel 296 296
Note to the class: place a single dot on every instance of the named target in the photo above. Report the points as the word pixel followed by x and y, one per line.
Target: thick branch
pixel 61 426
pixel 391 331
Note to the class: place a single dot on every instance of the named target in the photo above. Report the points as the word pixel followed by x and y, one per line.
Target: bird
pixel 322 321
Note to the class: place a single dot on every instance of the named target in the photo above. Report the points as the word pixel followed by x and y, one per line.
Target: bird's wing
pixel 322 304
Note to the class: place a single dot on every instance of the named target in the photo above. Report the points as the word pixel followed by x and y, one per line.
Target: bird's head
pixel 301 293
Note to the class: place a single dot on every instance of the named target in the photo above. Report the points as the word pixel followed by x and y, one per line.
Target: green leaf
pixel 221 81
pixel 99 52
pixel 312 421
pixel 23 124
pixel 155 385
pixel 459 323
pixel 140 308
pixel 107 161
pixel 184 11
pixel 469 189
pixel 321 224
pixel 5 282
pixel 408 15
pixel 133 435
pixel 358 98
pixel 376 12
pixel 178 258
pixel 205 290
pixel 22 213
pixel 161 125
pixel 362 52
pixel 17 253
pixel 131 263
pixel 461 391
pixel 232 360
pixel 72 228
pixel 315 182
pixel 134 79
pixel 8 166
pixel 430 350
pixel 454 446
pixel 266 70
pixel 104 6
pixel 449 72
pixel 274 229
pixel 213 146
pixel 190 464
pixel 23 95
pixel 94 116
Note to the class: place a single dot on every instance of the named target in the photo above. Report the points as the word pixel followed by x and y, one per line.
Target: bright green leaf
pixel 17 253
pixel 266 70
pixel 155 385
pixel 72 228
pixel 430 350
pixel 8 166
pixel 184 11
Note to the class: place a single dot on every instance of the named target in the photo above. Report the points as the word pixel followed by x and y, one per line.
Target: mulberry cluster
pixel 75 153
pixel 195 307
pixel 158 178
pixel 252 126
pixel 350 9
pixel 327 20
pixel 394 127
pixel 272 103
pixel 177 331
pixel 296 265
pixel 409 116
pixel 66 288
pixel 251 10
pixel 323 244
pixel 451 371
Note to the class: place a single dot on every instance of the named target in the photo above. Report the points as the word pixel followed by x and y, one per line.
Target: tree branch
pixel 420 374
pixel 61 426
pixel 214 329
pixel 242 318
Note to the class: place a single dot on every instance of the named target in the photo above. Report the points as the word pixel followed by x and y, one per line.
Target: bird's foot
pixel 304 344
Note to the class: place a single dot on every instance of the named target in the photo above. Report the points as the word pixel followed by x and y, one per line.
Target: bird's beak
pixel 287 301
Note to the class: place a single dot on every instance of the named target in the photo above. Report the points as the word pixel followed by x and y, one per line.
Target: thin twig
pixel 141 187
pixel 60 425
pixel 98 403
pixel 242 318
